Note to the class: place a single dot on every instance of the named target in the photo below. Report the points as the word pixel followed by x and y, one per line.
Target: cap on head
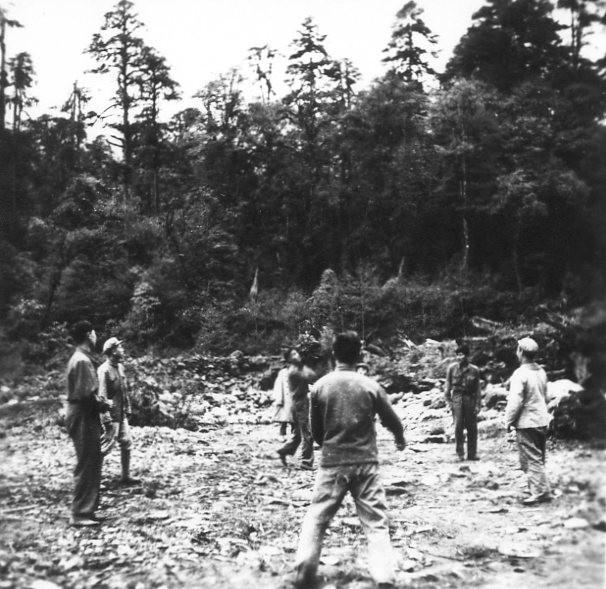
pixel 528 346
pixel 111 344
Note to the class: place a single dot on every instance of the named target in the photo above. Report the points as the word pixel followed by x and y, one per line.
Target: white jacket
pixel 526 401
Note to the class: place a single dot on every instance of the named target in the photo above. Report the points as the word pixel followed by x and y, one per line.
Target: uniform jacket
pixel 114 386
pixel 526 401
pixel 343 406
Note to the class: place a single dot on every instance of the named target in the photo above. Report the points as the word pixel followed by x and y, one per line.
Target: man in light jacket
pixel 527 412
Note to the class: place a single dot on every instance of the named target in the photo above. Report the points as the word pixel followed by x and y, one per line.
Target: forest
pixel 399 209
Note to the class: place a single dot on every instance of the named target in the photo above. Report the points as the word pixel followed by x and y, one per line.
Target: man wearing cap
pixel 526 411
pixel 113 386
pixel 83 423
pixel 464 397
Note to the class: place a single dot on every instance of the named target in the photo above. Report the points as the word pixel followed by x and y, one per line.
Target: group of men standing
pixel 336 411
pixel 98 406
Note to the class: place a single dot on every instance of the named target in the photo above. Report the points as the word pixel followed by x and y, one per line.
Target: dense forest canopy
pixel 346 205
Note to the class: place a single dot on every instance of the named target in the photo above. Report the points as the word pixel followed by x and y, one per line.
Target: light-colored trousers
pixel 531 446
pixel 332 484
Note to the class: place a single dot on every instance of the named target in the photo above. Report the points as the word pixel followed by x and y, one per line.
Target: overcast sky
pixel 204 38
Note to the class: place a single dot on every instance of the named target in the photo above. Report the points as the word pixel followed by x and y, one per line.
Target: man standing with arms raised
pixel 343 406
pixel 83 424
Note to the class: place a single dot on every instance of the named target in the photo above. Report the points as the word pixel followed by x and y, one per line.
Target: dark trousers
pixel 465 418
pixel 84 428
pixel 301 433
pixel 531 446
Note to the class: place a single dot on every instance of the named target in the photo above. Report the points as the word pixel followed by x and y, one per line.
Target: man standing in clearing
pixel 300 377
pixel 83 423
pixel 464 397
pixel 526 411
pixel 113 386
pixel 343 406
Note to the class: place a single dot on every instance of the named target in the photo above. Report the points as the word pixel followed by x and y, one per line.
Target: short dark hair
pixel 346 347
pixel 529 355
pixel 80 330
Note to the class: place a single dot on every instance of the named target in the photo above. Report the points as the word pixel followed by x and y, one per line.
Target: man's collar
pixel 341 366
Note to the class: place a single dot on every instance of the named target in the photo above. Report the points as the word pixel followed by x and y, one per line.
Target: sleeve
pixel 515 399
pixel 128 409
pixel 279 389
pixel 448 387
pixel 85 380
pixel 478 391
pixel 315 418
pixel 388 416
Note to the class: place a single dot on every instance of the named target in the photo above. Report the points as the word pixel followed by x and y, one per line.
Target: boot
pixel 125 459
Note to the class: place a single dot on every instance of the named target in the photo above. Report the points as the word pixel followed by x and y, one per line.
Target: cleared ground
pixel 216 509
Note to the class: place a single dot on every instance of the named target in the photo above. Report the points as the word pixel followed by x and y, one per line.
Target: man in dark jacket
pixel 343 406
pixel 83 423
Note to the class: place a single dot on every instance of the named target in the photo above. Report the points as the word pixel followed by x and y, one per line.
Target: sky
pixel 202 39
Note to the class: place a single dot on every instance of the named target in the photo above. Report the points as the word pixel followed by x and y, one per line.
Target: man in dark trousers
pixel 343 406
pixel 83 424
pixel 464 397
pixel 300 376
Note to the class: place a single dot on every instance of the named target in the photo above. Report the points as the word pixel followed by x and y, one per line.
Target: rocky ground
pixel 215 508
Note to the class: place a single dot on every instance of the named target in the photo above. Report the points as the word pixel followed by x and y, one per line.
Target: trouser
pixel 332 484
pixel 84 428
pixel 124 439
pixel 465 417
pixel 301 433
pixel 531 447
pixel 284 426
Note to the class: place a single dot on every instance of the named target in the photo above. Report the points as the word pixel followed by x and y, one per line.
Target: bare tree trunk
pixel 2 73
pixel 515 258
pixel 465 225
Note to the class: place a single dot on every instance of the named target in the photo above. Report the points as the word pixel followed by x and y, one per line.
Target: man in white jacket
pixel 527 412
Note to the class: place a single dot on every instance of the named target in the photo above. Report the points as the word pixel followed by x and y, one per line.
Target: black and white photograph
pixel 302 294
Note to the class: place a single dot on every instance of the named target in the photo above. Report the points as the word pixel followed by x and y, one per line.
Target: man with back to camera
pixel 114 387
pixel 464 396
pixel 343 406
pixel 83 423
pixel 526 411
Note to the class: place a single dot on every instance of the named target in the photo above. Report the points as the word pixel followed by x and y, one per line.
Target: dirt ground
pixel 216 509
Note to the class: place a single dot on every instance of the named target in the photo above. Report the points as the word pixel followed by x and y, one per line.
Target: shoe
pixel 84 522
pixel 534 499
pixel 460 458
pixel 128 482
pixel 474 458
pixel 98 518
pixel 282 458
